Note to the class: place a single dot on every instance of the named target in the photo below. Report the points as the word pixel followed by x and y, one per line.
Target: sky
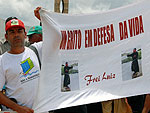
pixel 23 9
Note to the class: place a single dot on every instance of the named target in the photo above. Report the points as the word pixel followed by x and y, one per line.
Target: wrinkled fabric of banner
pixel 95 57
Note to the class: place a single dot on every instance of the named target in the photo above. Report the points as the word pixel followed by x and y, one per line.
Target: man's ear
pixel 25 35
pixel 41 38
pixel 6 36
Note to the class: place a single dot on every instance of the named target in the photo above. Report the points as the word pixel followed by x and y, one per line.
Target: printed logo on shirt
pixel 28 74
pixel 27 65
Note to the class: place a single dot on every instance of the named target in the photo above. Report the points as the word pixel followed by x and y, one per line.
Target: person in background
pixel 1 47
pixel 139 99
pixel 146 108
pixel 35 34
pixel 116 106
pixel 5 47
pixel 136 103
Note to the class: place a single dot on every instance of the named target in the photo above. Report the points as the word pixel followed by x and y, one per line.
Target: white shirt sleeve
pixel 38 46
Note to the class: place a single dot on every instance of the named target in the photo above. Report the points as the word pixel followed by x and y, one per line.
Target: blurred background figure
pixel 116 106
pixel 35 34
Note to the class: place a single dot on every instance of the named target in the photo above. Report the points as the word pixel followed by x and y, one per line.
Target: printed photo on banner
pixel 69 76
pixel 131 63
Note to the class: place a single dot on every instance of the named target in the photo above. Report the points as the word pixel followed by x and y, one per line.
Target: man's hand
pixel 4 100
pixel 36 12
pixel 23 109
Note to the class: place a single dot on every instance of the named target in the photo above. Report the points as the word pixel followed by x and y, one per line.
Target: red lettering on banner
pixel 101 31
pixel 71 39
pixel 131 27
pixel 95 37
pixel 64 40
pixel 75 39
pixel 108 76
pixel 79 39
pixel 90 79
pixel 104 76
pixel 141 24
pixel 136 26
pixel 88 38
pixel 112 33
pixel 102 35
pixel 108 34
pixel 98 36
pixel 123 30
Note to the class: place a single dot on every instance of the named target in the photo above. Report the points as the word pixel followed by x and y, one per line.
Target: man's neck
pixel 16 50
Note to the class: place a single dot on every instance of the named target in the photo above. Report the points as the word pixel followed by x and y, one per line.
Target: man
pixel 67 77
pixel 35 34
pixel 135 65
pixel 19 70
pixel 5 46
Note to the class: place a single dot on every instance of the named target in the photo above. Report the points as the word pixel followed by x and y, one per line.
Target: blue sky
pixel 23 9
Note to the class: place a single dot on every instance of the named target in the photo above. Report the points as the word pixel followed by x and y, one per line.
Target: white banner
pixel 94 57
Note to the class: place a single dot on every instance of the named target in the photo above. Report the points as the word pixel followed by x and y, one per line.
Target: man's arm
pixel 130 55
pixel 70 67
pixel 4 100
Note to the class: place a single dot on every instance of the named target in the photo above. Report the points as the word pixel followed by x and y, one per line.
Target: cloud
pixel 23 9
pixel 78 6
pixel 14 7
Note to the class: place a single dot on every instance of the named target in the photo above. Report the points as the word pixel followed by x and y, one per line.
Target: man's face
pixel 35 38
pixel 134 50
pixel 16 37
